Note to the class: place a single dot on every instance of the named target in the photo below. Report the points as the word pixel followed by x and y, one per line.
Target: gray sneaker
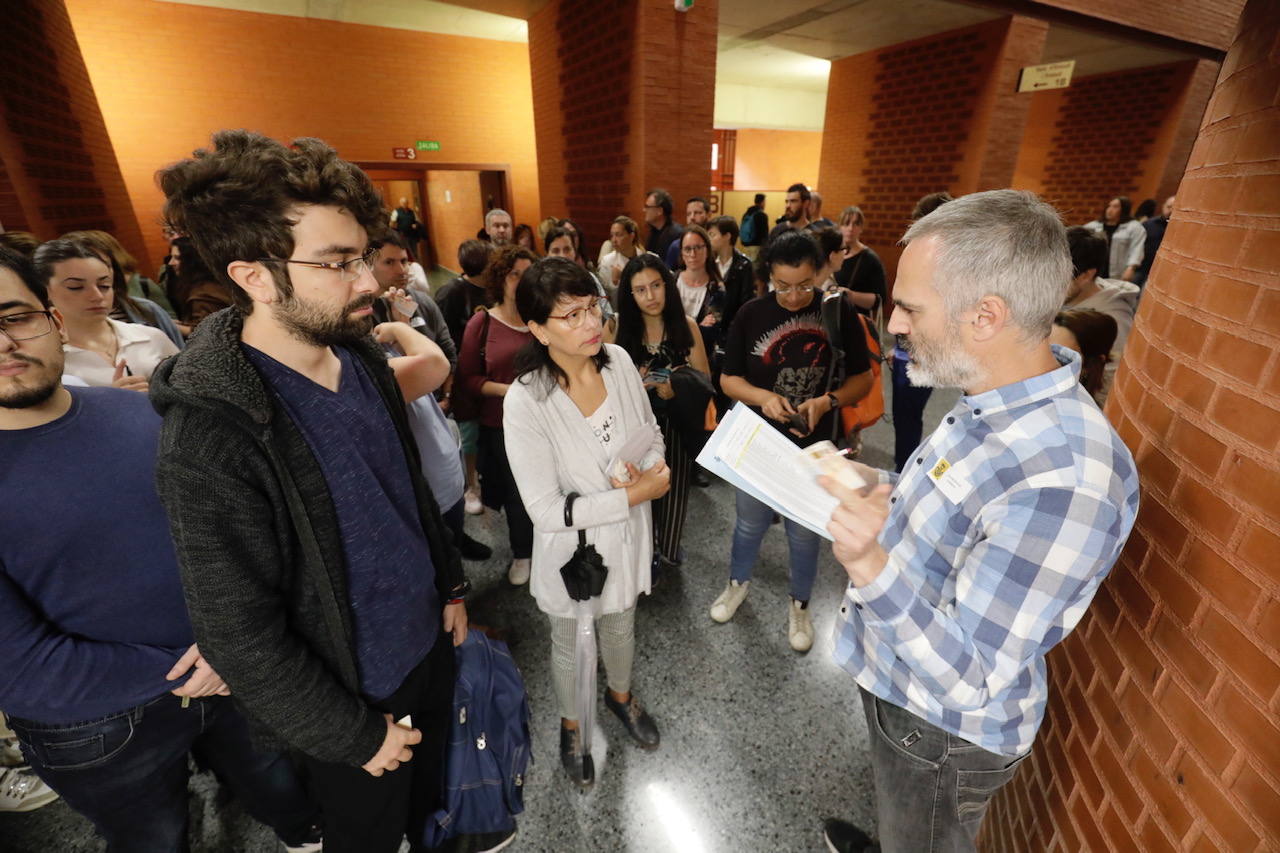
pixel 21 790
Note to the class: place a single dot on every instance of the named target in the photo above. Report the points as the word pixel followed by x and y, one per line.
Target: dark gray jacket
pixel 259 547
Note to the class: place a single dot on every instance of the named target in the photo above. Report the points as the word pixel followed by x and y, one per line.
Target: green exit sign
pixel 427 145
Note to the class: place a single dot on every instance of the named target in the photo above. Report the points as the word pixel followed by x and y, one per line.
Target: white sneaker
pixel 730 600
pixel 518 574
pixel 11 754
pixel 799 627
pixel 21 790
pixel 471 502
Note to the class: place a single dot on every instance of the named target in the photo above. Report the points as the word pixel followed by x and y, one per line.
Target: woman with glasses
pixel 562 242
pixel 486 369
pixel 99 350
pixel 779 360
pixel 698 282
pixel 861 273
pixel 666 347
pixel 576 402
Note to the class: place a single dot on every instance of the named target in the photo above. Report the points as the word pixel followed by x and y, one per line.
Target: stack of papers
pixel 752 455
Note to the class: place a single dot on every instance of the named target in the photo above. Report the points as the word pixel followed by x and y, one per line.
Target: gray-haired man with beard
pixel 320 577
pixel 984 553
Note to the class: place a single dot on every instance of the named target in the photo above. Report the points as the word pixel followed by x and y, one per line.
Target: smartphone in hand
pixel 799 423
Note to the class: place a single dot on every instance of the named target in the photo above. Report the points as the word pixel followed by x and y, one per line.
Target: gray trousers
pixel 616 640
pixel 932 788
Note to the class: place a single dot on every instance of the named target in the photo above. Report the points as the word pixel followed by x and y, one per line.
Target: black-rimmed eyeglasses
pixel 347 270
pixel 27 325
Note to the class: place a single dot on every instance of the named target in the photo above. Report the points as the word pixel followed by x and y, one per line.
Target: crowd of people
pixel 271 450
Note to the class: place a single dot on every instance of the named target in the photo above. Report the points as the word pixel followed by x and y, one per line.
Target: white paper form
pixel 638 443
pixel 749 453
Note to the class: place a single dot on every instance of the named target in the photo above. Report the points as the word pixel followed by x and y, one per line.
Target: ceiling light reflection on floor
pixel 675 821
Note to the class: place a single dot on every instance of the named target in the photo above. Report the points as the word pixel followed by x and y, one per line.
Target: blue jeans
pixel 753 523
pixel 127 772
pixel 908 414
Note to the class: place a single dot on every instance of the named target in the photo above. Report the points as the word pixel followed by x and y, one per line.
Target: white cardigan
pixel 553 452
pixel 1126 247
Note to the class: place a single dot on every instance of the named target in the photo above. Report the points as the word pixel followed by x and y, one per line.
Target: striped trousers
pixel 669 510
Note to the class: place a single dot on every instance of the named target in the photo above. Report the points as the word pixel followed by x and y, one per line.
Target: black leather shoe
pixel 636 719
pixel 581 768
pixel 699 479
pixel 473 550
pixel 843 837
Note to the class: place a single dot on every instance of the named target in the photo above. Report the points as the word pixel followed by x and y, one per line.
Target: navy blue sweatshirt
pixel 91 609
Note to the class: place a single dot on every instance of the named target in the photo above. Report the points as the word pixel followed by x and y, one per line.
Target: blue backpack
pixel 489 746
pixel 748 228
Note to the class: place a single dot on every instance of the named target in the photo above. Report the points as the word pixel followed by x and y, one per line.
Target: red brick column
pixel 1162 727
pixel 937 113
pixel 58 171
pixel 623 101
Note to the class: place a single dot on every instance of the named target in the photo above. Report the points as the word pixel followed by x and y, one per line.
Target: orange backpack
pixel 870 409
pixel 867 411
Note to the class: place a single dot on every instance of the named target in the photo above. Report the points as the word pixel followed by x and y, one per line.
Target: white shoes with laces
pixel 727 604
pixel 518 574
pixel 799 626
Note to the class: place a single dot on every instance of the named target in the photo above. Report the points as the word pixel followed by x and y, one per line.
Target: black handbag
pixel 585 573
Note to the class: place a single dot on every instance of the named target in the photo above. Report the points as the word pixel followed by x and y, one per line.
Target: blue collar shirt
pixel 1000 530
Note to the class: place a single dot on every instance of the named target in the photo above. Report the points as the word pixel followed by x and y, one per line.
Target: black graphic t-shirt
pixel 788 353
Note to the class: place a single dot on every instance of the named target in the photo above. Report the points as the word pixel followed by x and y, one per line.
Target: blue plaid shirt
pixel 1000 529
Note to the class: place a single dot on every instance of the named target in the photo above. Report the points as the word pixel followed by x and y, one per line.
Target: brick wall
pixel 167 75
pixel 676 81
pixel 623 102
pixel 932 114
pixel 1194 21
pixel 1112 134
pixel 582 64
pixel 60 172
pixel 1162 731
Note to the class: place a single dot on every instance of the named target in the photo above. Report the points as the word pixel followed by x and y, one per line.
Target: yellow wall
pixel 776 159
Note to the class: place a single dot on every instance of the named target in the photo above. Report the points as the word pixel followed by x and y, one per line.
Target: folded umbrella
pixel 584 576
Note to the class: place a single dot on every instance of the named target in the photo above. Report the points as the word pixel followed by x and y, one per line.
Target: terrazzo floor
pixel 759 744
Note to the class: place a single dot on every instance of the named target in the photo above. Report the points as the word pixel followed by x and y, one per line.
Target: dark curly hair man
pixel 321 580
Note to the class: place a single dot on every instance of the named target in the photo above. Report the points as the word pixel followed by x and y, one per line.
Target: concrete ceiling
pixel 771 39
pixel 774 56
pixel 478 20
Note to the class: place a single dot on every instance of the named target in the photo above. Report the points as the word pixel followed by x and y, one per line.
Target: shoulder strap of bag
pixel 830 311
pixel 568 518
pixel 484 338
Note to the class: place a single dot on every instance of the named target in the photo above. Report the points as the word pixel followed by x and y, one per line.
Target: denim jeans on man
pixel 754 519
pixel 932 787
pixel 127 772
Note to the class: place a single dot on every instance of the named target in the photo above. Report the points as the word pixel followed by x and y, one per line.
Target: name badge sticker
pixel 949 482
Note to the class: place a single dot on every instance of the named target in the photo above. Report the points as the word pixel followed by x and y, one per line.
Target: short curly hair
pixel 501 263
pixel 236 199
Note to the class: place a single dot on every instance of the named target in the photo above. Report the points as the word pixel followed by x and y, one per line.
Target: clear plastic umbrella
pixel 584 576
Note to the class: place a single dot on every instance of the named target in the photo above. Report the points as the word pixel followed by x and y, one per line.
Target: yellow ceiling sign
pixel 1052 75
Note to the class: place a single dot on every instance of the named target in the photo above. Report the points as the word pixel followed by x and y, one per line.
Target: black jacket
pixel 660 239
pixel 739 287
pixel 259 547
